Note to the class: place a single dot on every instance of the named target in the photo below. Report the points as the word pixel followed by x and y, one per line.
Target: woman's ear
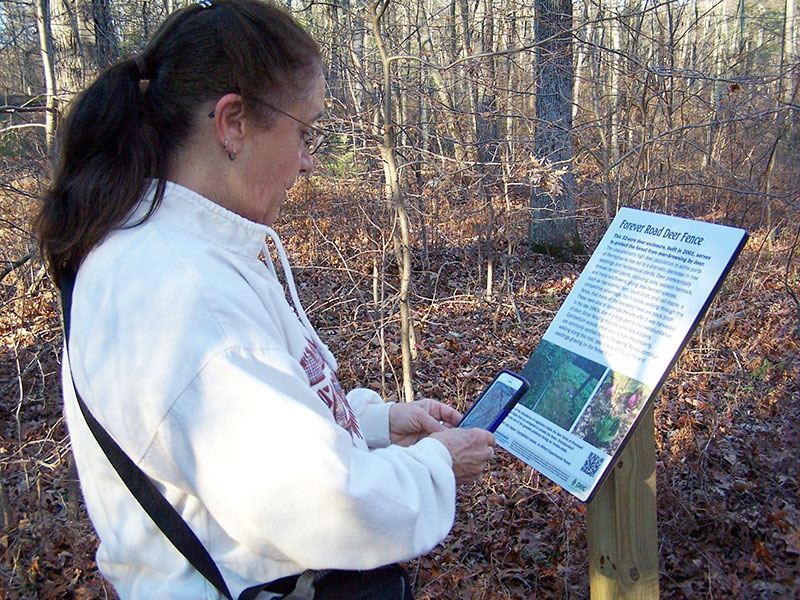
pixel 229 121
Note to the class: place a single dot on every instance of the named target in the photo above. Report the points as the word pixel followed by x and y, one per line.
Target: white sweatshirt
pixel 184 347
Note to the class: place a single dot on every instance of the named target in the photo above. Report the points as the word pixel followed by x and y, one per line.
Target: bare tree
pixel 394 193
pixel 47 54
pixel 105 38
pixel 553 227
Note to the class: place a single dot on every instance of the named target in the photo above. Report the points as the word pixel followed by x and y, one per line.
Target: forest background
pixel 476 151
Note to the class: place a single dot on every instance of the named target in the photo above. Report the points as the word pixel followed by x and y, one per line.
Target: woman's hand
pixel 470 450
pixel 412 421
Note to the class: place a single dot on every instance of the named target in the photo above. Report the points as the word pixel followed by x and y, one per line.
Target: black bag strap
pixel 155 505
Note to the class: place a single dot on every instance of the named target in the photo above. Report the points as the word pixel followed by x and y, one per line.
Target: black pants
pixel 385 583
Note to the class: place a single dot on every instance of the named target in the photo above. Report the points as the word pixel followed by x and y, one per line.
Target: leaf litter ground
pixel 727 422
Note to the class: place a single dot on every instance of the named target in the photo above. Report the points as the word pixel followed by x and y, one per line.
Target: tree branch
pixel 639 147
pixel 25 126
pixel 17 264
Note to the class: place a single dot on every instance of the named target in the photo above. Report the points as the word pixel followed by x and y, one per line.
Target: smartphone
pixel 496 401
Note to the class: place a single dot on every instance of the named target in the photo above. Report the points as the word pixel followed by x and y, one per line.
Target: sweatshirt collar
pixel 195 214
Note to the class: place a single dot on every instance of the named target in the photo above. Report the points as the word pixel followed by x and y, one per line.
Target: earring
pixel 229 149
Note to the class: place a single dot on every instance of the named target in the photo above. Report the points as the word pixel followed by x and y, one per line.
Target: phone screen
pixel 496 401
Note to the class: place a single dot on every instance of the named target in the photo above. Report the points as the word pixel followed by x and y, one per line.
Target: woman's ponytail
pixel 109 153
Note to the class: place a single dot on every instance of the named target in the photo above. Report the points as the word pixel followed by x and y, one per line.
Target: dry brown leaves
pixel 726 421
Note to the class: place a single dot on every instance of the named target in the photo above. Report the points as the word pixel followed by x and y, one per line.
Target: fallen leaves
pixel 726 425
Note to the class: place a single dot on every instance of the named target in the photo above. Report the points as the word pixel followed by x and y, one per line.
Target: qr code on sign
pixel 592 464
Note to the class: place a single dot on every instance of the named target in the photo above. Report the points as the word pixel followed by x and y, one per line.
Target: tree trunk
pixel 440 86
pixel 790 51
pixel 584 37
pixel 614 87
pixel 70 43
pixel 106 48
pixel 394 193
pixel 47 54
pixel 553 227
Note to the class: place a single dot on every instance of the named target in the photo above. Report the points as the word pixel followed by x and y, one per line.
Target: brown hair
pixel 124 127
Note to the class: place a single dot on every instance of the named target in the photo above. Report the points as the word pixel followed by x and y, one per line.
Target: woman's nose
pixel 306 163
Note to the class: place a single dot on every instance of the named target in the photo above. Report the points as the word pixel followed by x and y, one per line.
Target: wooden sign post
pixel 621 523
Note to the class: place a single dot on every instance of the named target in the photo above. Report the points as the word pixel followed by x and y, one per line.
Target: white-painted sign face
pixel 613 341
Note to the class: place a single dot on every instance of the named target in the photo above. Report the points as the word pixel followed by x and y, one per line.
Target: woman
pixel 183 345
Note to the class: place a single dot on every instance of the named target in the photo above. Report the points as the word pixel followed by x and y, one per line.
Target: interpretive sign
pixel 611 345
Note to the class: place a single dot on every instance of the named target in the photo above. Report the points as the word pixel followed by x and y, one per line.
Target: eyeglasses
pixel 313 139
